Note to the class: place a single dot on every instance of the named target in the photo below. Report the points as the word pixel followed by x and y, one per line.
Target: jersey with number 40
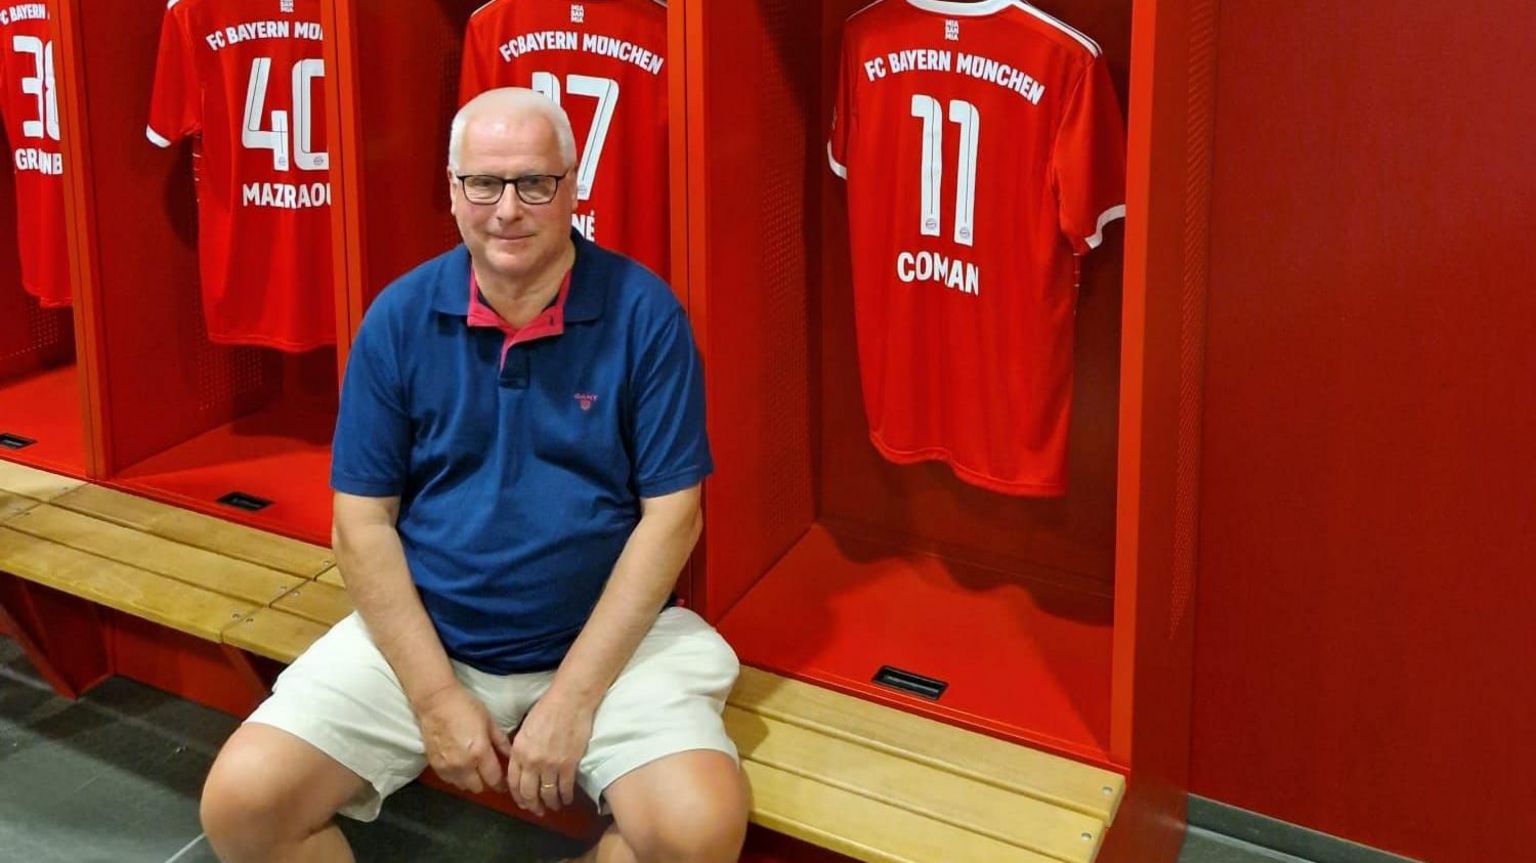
pixel 245 78
pixel 983 148
pixel 603 61
pixel 30 110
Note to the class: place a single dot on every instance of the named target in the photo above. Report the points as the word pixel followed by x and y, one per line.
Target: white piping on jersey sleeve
pixel 837 167
pixel 156 138
pixel 1109 215
pixel 1080 36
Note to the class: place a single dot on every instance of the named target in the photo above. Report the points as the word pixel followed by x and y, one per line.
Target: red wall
pixel 1366 637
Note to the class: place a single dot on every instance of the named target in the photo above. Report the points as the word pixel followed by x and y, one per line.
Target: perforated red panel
pixel 405 106
pixel 757 241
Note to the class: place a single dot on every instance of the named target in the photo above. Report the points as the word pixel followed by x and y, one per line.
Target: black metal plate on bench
pixel 15 441
pixel 247 502
pixel 910 683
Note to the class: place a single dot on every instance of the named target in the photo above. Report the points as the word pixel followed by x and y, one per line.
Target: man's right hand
pixel 462 740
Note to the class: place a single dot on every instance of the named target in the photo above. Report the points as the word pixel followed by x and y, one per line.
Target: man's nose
pixel 510 206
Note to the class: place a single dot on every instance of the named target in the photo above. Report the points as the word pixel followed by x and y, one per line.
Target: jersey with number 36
pixel 245 79
pixel 603 61
pixel 30 110
pixel 983 148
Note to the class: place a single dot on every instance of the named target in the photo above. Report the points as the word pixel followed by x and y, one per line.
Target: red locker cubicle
pixel 42 394
pixel 179 417
pixel 1061 624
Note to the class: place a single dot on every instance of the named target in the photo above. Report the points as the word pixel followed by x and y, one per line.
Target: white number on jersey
pixel 964 115
pixel 276 139
pixel 606 92
pixel 41 85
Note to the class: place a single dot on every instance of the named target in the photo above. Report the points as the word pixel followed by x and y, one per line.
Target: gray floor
pixel 115 777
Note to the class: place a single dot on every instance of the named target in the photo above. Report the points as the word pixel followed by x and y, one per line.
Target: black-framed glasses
pixel 532 189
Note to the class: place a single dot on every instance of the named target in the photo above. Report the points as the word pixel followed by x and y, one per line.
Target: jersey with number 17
pixel 604 62
pixel 984 149
pixel 30 110
pixel 244 79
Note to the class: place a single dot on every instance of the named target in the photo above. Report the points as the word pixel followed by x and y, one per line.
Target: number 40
pixel 276 139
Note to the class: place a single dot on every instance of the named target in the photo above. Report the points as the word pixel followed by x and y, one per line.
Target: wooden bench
pixel 845 774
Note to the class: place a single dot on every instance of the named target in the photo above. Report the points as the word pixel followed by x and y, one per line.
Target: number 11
pixel 964 115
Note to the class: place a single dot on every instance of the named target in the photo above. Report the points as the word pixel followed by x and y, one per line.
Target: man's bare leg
pixel 271 797
pixel 690 807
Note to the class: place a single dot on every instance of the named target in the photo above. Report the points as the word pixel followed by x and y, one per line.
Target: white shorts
pixel 342 697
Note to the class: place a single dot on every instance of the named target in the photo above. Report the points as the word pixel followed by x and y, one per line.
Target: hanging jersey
pixel 244 79
pixel 603 62
pixel 30 110
pixel 983 149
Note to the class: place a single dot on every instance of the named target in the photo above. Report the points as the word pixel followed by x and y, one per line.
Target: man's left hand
pixel 541 774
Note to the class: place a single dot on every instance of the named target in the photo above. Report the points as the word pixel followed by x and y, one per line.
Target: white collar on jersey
pixel 945 7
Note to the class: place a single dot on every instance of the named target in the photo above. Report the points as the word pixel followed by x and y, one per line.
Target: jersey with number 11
pixel 603 61
pixel 245 79
pixel 30 109
pixel 983 148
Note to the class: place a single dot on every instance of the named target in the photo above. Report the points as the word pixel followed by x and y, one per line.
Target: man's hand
pixel 461 739
pixel 541 773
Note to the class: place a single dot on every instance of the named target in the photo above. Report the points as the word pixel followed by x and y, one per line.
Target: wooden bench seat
pixel 843 773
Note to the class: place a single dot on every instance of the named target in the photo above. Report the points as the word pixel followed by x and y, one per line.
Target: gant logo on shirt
pixel 578 13
pixel 586 400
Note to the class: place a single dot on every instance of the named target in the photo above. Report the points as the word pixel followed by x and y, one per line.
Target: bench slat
pixel 1056 780
pixel 274 634
pixel 191 528
pixel 31 482
pixel 331 576
pixel 185 563
pixel 154 597
pixel 917 788
pixel 322 603
pixel 866 829
pixel 11 504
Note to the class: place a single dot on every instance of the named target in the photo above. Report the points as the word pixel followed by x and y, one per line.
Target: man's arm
pixel 555 733
pixel 460 738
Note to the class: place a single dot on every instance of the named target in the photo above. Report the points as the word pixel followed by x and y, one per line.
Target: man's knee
pixel 265 791
pixel 702 823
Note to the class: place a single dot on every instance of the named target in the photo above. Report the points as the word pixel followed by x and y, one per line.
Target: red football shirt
pixel 603 61
pixel 245 77
pixel 983 148
pixel 31 114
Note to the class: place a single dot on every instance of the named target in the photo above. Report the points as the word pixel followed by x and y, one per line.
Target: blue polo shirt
pixel 520 458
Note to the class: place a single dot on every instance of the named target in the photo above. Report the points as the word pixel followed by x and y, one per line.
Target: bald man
pixel 516 468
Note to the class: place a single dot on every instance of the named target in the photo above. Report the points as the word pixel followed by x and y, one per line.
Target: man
pixel 516 464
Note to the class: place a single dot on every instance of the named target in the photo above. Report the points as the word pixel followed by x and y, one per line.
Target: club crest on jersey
pixel 285 6
pixel 586 400
pixel 578 13
pixel 952 30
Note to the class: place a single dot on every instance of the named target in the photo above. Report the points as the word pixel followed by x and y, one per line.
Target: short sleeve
pixel 837 139
pixel 668 441
pixel 370 454
pixel 174 105
pixel 1088 160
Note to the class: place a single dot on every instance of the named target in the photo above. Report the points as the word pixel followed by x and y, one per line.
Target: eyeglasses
pixel 532 189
